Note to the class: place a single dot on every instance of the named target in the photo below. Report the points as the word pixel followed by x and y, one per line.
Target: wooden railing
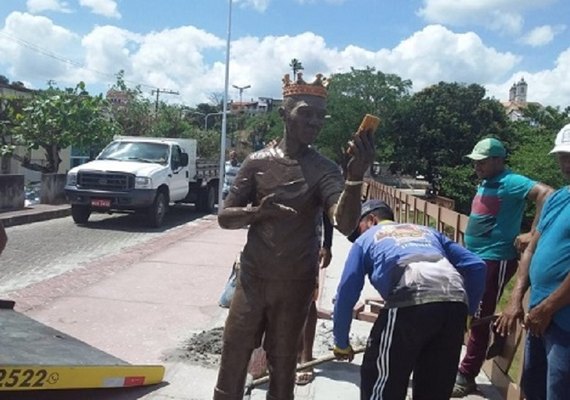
pixel 409 208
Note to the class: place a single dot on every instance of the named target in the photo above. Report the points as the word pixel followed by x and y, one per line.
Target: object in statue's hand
pixel 369 122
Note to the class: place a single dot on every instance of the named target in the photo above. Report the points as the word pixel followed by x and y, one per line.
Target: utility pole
pixel 158 92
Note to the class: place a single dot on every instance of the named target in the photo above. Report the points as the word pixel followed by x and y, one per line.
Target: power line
pixel 57 57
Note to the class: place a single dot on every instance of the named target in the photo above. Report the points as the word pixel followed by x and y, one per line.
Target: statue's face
pixel 304 117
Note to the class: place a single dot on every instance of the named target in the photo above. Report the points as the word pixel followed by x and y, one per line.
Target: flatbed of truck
pixel 34 356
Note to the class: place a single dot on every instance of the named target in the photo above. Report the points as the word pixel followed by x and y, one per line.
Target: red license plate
pixel 102 203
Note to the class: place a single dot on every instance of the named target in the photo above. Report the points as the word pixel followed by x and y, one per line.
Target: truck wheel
pixel 158 210
pixel 80 213
pixel 206 199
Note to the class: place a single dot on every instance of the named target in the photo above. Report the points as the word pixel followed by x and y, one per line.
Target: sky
pixel 180 45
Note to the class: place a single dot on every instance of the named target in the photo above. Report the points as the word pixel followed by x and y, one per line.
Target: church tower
pixel 512 92
pixel 520 91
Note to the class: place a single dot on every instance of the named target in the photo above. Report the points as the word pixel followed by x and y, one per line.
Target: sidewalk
pixel 34 213
pixel 144 303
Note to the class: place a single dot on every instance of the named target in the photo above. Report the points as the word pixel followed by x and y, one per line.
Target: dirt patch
pixel 205 348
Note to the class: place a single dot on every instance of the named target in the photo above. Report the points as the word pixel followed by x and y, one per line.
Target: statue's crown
pixel 317 88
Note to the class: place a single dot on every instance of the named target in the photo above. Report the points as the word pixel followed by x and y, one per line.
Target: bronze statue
pixel 280 192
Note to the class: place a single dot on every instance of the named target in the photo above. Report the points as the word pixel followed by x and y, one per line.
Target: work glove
pixel 344 354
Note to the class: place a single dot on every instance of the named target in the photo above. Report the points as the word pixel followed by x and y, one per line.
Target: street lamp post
pixel 225 115
pixel 241 89
pixel 206 116
pixel 210 114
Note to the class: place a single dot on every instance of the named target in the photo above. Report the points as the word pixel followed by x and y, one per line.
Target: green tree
pixel 296 66
pixel 352 95
pixel 534 140
pixel 208 144
pixel 170 122
pixel 197 116
pixel 55 119
pixel 263 128
pixel 134 113
pixel 439 125
pixel 459 183
pixel 9 109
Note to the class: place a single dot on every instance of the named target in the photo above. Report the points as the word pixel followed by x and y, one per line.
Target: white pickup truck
pixel 142 174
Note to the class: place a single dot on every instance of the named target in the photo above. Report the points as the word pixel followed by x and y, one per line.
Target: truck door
pixel 178 176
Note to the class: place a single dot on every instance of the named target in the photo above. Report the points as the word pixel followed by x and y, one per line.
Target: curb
pixel 29 216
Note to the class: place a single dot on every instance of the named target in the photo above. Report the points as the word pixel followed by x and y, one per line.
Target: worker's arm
pixel 538 194
pixel 471 267
pixel 514 311
pixel 348 292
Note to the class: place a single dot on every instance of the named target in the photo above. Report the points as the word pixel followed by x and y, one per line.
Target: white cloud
pixel 437 54
pixel 499 15
pixel 548 87
pixel 429 56
pixel 107 8
pixel 38 6
pixel 191 61
pixel 258 5
pixel 542 35
pixel 34 48
pixel 144 57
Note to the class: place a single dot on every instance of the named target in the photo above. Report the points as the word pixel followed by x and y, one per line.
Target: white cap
pixel 562 142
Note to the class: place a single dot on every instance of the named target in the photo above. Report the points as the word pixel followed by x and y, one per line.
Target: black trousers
pixel 425 339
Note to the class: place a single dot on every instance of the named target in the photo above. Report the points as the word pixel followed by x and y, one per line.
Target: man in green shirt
pixel 493 228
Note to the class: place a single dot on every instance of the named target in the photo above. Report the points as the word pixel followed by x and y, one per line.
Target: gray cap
pixel 367 207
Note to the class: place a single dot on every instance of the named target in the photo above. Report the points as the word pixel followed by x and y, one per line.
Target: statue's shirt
pixel 285 247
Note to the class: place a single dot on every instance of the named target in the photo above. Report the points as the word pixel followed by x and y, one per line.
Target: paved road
pixel 42 250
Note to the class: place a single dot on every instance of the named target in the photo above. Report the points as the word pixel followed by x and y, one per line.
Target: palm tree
pixel 296 65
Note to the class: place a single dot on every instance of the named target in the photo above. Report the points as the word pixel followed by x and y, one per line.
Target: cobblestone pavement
pixel 42 250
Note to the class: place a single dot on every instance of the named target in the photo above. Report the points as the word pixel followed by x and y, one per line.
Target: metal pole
pixel 225 115
pixel 156 103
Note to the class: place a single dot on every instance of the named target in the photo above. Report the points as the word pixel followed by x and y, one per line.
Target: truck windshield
pixel 136 151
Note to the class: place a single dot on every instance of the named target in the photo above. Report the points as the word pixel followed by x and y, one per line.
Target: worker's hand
pixel 272 143
pixel 522 241
pixel 537 320
pixel 507 321
pixel 344 354
pixel 325 256
pixel 362 152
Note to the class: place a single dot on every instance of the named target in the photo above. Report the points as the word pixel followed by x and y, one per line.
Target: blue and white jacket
pixel 407 264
